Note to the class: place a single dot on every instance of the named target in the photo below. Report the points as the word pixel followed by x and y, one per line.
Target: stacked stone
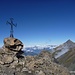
pixel 13 45
pixel 12 60
pixel 12 50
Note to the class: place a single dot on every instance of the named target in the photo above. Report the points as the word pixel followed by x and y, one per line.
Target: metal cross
pixel 11 24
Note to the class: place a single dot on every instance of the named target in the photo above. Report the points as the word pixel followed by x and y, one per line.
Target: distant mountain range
pixel 37 49
pixel 56 50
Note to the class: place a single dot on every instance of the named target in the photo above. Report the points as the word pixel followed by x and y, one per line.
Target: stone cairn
pixel 12 51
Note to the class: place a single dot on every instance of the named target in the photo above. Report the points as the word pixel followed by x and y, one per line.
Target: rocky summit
pixel 13 62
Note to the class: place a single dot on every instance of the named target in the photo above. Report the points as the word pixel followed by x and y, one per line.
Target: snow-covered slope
pixel 38 49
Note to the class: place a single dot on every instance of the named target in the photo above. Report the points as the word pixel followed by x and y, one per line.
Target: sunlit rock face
pixel 13 44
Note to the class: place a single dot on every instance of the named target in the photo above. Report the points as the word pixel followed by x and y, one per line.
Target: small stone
pixel 24 69
pixel 15 58
pixel 29 71
pixel 12 65
pixel 1 62
pixel 40 72
pixel 7 59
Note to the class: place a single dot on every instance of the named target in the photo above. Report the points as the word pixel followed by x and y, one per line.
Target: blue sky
pixel 39 22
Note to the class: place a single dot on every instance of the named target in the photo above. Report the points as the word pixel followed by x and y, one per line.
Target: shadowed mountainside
pixel 68 59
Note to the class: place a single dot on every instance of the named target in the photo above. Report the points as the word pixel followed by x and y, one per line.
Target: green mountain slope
pixel 68 59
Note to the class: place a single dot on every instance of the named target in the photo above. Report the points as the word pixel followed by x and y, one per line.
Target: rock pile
pixel 13 63
pixel 13 45
pixel 12 50
pixel 43 65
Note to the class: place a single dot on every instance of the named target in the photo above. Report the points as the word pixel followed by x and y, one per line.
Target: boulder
pixel 7 59
pixel 13 44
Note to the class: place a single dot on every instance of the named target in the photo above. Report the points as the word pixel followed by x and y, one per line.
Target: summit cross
pixel 11 24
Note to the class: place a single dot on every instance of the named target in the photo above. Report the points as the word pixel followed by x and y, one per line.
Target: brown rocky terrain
pixel 13 62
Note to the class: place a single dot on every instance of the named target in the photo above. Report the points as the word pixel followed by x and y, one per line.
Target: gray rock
pixel 7 59
pixel 40 72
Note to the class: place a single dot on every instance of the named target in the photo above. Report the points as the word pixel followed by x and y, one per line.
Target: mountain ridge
pixel 63 48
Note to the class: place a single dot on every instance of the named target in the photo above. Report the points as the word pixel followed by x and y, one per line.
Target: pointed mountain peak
pixel 69 44
pixel 69 41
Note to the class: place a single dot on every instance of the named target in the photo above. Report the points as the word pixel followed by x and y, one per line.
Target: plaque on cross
pixel 11 24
